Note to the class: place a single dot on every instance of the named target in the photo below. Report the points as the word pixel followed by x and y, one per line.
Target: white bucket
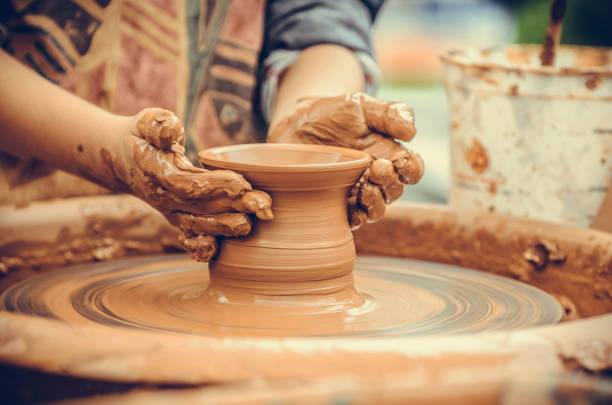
pixel 527 140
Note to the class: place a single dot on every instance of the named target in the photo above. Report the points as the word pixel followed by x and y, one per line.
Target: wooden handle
pixel 553 32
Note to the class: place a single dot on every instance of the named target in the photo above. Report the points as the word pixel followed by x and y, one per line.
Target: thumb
pixel 388 118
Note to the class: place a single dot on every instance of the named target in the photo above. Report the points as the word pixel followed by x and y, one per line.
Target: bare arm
pixel 338 114
pixel 320 71
pixel 41 120
pixel 142 155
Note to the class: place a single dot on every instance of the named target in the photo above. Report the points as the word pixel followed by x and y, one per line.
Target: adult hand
pixel 203 203
pixel 359 121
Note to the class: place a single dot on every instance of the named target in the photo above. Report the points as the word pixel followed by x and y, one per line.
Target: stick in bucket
pixel 553 32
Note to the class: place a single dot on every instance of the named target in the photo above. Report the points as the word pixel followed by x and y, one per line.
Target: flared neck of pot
pixel 289 167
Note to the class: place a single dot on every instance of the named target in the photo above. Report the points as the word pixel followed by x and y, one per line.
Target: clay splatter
pixel 477 157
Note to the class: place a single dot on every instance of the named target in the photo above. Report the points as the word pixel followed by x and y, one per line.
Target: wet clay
pixel 358 121
pixel 592 355
pixel 292 275
pixel 543 252
pixel 169 294
pixel 80 230
pixel 573 264
pixel 203 203
pixel 307 249
pixel 34 242
pixel 553 32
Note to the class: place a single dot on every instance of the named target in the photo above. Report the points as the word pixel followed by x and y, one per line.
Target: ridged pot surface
pixel 307 249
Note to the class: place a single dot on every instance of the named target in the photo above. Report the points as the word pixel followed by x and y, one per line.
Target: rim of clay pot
pixel 477 58
pixel 351 158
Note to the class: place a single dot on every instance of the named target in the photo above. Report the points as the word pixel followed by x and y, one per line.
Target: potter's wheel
pixel 167 293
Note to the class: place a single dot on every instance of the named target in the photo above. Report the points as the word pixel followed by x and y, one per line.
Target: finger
pixel 169 203
pixel 372 201
pixel 229 224
pixel 160 128
pixel 383 174
pixel 252 202
pixel 183 163
pixel 193 184
pixel 380 146
pixel 388 118
pixel 204 184
pixel 409 166
pixel 256 202
pixel 353 195
pixel 357 217
pixel 202 247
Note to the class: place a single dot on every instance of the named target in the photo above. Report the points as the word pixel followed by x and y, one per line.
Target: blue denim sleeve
pixel 298 24
pixel 294 25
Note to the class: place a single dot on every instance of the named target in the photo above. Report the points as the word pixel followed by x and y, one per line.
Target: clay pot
pixel 307 249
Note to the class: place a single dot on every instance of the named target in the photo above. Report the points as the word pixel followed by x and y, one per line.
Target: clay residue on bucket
pixel 522 59
pixel 587 57
pixel 518 56
pixel 477 157
pixel 593 82
pixel 514 90
pixel 527 119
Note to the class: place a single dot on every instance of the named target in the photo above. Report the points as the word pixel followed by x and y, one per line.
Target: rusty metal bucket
pixel 528 140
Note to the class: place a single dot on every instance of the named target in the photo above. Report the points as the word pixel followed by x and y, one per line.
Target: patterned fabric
pixel 198 58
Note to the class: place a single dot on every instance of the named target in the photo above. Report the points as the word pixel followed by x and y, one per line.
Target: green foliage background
pixel 587 22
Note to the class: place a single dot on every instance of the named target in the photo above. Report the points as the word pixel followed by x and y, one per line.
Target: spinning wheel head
pixel 397 297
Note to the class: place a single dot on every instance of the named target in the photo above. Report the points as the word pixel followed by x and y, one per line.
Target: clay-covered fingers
pixel 161 128
pixel 253 202
pixel 229 224
pixel 203 183
pixel 382 183
pixel 409 166
pixel 383 174
pixel 201 247
pixel 372 201
pixel 366 202
pixel 220 217
pixel 357 217
pixel 392 119
pixel 187 181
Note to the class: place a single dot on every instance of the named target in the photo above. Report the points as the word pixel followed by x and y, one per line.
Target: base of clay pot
pixel 398 297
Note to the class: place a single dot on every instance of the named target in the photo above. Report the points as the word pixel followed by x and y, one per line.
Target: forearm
pixel 41 120
pixel 320 71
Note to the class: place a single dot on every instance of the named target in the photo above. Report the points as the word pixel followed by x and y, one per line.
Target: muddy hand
pixel 359 121
pixel 203 203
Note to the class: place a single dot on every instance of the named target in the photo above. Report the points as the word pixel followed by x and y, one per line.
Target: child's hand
pixel 203 203
pixel 359 121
